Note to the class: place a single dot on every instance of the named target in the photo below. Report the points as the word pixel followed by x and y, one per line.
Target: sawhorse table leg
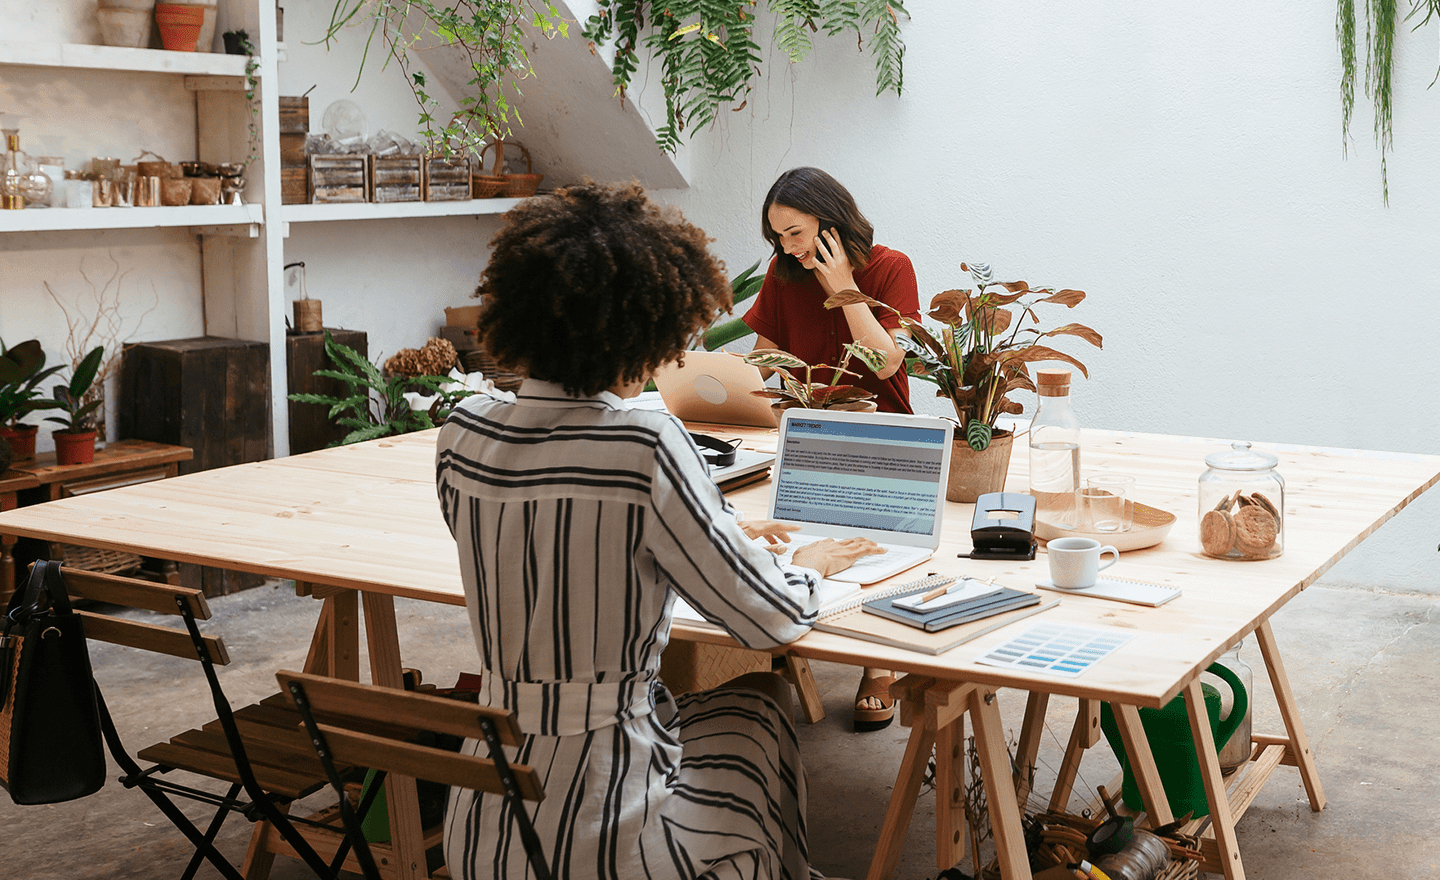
pixel 335 652
pixel 935 713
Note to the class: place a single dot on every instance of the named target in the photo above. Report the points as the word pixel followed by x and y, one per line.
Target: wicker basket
pixel 476 360
pixel 484 186
pixel 517 186
pixel 101 561
pixel 1058 843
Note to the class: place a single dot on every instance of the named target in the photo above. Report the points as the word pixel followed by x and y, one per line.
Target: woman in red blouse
pixel 824 245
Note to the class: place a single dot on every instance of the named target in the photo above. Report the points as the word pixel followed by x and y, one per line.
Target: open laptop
pixel 880 476
pixel 714 387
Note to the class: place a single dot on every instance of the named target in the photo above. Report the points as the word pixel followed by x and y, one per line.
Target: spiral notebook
pixel 1120 590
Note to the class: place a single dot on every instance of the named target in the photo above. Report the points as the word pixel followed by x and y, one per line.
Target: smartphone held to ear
pixel 825 226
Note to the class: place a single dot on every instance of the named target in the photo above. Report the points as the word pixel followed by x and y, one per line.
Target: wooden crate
pixel 292 148
pixel 294 115
pixel 208 393
pixel 294 184
pixel 311 427
pixel 447 180
pixel 337 178
pixel 393 178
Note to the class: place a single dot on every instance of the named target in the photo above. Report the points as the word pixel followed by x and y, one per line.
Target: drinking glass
pixel 1105 503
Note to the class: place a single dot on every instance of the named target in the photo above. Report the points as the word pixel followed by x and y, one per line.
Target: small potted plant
pixel 75 443
pixel 22 369
pixel 374 404
pixel 980 355
pixel 809 394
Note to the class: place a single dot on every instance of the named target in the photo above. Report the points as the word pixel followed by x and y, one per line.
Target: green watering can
pixel 1168 731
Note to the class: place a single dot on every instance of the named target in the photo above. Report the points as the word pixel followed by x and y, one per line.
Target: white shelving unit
pixel 86 57
pixel 394 210
pixel 199 217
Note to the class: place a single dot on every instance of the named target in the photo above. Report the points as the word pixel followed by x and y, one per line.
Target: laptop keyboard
pixel 896 557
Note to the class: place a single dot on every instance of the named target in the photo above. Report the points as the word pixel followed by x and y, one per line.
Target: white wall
pixel 1184 167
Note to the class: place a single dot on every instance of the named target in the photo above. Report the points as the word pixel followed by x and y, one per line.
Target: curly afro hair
pixel 594 285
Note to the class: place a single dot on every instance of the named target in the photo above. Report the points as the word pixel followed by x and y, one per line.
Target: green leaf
pixel 977 434
pixel 875 360
pixel 85 371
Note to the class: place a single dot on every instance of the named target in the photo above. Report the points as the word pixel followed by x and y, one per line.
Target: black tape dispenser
pixel 1004 526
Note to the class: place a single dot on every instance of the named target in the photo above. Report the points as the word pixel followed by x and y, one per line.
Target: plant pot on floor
pixel 74 447
pixel 21 439
pixel 972 473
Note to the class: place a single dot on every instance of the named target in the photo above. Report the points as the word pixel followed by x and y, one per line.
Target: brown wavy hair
pixel 595 284
pixel 818 194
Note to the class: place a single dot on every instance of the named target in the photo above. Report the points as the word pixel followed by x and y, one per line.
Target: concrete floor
pixel 1361 663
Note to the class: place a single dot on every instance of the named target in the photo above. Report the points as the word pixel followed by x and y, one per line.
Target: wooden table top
pixel 121 455
pixel 366 517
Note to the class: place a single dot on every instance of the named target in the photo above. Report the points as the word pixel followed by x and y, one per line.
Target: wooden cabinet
pixel 311 427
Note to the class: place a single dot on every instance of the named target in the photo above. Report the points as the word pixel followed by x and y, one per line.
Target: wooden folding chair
pixel 377 727
pixel 259 751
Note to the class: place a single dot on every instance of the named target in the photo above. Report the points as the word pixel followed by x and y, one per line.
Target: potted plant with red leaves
pixel 808 393
pixel 978 357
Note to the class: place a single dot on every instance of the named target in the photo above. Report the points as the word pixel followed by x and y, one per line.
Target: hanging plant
pixel 490 34
pixel 1381 21
pixel 708 55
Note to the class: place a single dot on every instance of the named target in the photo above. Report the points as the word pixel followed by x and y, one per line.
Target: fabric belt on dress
pixel 566 708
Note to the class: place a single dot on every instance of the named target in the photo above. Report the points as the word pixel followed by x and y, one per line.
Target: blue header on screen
pixel 901 433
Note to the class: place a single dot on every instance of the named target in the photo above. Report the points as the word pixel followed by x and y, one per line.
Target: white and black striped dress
pixel 577 520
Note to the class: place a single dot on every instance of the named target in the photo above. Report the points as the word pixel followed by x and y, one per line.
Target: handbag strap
pixel 45 581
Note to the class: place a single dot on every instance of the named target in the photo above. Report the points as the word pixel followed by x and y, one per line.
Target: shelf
pixel 61 219
pixel 393 210
pixel 82 56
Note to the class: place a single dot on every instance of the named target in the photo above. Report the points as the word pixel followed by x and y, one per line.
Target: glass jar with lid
pixel 1242 505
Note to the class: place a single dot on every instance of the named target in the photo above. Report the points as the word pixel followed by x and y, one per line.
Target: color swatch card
pixel 1056 649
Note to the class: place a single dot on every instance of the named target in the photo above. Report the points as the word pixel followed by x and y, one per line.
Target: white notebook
pixel 1121 590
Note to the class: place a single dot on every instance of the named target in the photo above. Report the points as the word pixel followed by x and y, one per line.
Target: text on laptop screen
pixel 860 476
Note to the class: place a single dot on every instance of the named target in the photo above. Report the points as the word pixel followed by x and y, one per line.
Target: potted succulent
pixel 809 394
pixel 75 443
pixel 980 356
pixel 22 369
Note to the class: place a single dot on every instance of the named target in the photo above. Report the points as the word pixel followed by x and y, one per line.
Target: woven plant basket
pixel 476 360
pixel 484 186
pixel 517 186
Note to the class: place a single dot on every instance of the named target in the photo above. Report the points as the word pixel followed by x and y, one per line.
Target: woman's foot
pixel 874 707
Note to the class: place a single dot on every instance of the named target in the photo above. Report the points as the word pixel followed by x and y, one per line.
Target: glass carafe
pixel 1055 451
pixel 1237 748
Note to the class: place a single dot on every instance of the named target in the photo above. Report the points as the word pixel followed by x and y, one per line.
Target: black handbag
pixel 50 742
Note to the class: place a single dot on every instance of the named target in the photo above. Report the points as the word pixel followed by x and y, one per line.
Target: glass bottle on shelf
pixel 1055 451
pixel 23 181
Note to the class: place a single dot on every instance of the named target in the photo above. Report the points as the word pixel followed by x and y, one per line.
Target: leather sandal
pixel 874 719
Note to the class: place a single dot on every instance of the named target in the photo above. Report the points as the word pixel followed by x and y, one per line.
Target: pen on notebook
pixel 948 588
pixel 940 590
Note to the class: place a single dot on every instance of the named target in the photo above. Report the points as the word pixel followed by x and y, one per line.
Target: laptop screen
pixel 859 474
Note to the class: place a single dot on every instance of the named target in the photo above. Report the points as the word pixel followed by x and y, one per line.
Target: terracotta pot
pixel 74 447
pixel 21 439
pixel 972 473
pixel 179 25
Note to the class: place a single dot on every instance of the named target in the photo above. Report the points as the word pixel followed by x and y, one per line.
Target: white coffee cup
pixel 1075 562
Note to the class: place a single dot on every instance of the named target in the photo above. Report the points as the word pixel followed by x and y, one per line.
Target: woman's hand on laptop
pixel 775 534
pixel 831 556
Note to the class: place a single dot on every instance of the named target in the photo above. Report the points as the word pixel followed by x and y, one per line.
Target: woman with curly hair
pixel 823 244
pixel 578 522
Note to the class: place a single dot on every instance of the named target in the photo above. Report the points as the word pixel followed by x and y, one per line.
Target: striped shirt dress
pixel 578 521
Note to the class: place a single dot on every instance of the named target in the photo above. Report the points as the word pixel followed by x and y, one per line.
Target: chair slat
pixel 424 762
pixel 423 711
pixel 133 593
pixel 218 766
pixel 151 637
